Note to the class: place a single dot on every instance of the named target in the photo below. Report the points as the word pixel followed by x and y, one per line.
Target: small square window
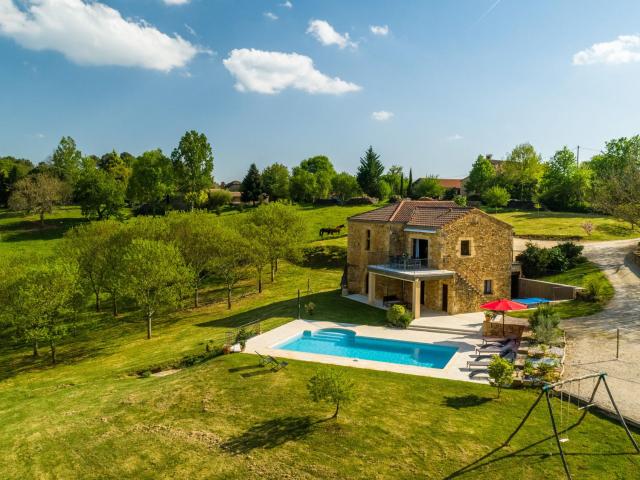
pixel 465 248
pixel 367 245
pixel 488 287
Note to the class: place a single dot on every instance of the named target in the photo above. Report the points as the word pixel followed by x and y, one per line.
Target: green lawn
pixel 564 225
pixel 228 418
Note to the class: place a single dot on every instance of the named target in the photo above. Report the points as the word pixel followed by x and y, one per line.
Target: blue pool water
pixel 531 301
pixel 345 343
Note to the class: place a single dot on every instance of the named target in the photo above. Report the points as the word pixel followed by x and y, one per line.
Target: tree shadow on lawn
pixel 25 230
pixel 330 306
pixel 615 230
pixel 464 401
pixel 324 256
pixel 271 434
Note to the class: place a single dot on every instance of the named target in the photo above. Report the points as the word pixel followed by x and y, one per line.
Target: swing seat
pixel 586 406
pixel 563 440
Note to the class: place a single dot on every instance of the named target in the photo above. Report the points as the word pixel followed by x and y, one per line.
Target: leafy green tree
pixel 66 159
pixel 370 172
pixel 39 194
pixel 197 235
pixel 230 260
pixel 522 171
pixel 394 177
pixel 345 186
pixel 500 372
pixel 496 197
pixel 252 185
pixel 410 185
pixel 481 177
pixel 303 186
pixel 331 386
pixel 42 302
pixel 275 180
pixel 282 232
pixel 256 252
pixel 318 164
pixel 564 184
pixel 100 195
pixel 218 198
pixel 428 187
pixel 460 200
pixel 152 180
pixel 193 165
pixel 11 170
pixel 156 276
pixel 114 165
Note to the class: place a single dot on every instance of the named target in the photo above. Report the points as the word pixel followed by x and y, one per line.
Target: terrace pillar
pixel 415 304
pixel 372 288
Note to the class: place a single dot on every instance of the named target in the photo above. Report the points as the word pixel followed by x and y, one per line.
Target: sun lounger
pixel 496 340
pixel 266 360
pixel 485 362
pixel 496 348
pixel 278 365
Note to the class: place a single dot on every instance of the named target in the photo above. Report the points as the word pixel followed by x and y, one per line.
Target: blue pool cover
pixel 531 300
pixel 345 343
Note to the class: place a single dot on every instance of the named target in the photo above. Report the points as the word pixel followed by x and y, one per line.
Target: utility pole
pixel 578 155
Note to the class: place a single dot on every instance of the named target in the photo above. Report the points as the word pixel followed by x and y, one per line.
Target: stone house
pixel 433 255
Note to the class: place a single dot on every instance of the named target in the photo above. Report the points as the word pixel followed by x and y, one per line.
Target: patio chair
pixel 485 362
pixel 488 348
pixel 266 359
pixel 278 365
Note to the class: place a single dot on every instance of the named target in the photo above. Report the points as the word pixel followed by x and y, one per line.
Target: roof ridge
pixel 397 209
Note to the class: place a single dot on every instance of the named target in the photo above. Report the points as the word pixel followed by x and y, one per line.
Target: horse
pixel 331 231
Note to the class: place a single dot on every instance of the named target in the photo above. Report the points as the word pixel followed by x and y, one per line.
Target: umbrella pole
pixel 503 313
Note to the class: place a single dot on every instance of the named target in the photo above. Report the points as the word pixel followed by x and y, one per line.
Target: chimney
pixel 489 156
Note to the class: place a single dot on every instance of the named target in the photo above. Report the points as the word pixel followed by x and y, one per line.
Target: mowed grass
pixel 229 418
pixel 566 225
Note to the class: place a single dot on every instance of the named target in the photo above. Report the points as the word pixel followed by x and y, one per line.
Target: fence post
pixel 617 343
pixel 298 304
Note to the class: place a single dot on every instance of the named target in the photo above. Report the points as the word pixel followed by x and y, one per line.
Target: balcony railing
pixel 404 262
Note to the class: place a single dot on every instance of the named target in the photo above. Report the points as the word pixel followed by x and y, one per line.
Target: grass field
pixel 561 225
pixel 228 418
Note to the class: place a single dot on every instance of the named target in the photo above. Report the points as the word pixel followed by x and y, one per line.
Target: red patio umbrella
pixel 503 305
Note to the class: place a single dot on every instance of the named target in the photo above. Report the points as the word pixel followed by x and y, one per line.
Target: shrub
pixel 218 198
pixel 542 313
pixel 310 308
pixel 596 288
pixel 242 336
pixel 496 197
pixel 556 260
pixel 460 200
pixel 546 371
pixel 588 228
pixel 546 330
pixel 398 316
pixel 572 252
pixel 500 372
pixel 146 374
pixel 534 260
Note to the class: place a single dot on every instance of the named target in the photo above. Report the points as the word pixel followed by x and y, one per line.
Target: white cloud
pixel 326 34
pixel 287 4
pixel 176 2
pixel 454 138
pixel 624 49
pixel 190 29
pixel 92 34
pixel 381 30
pixel 271 15
pixel 382 116
pixel 271 72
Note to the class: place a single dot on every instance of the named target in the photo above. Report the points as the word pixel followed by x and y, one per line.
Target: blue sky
pixel 456 78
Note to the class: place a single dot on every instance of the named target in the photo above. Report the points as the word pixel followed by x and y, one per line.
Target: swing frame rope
pixel 547 391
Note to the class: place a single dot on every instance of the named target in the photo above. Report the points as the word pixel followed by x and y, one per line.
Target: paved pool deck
pixel 456 369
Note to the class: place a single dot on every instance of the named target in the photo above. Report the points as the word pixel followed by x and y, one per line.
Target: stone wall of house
pixel 490 259
pixel 386 239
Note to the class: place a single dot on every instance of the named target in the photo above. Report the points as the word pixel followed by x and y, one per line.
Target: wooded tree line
pixel 152 263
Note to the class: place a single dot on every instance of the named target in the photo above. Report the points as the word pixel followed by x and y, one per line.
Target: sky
pixel 429 84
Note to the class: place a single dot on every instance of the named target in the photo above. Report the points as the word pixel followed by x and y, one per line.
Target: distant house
pixel 455 184
pixel 234 187
pixel 432 255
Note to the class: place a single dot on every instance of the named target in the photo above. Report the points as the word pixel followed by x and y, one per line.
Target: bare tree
pixel 39 194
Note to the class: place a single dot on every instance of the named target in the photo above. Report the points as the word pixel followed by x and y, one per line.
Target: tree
pixel 275 180
pixel 522 172
pixel 564 183
pixel 66 159
pixel 318 164
pixel 230 260
pixel 428 187
pixel 496 197
pixel 395 179
pixel 410 185
pixel 331 386
pixel 256 252
pixel 11 170
pixel 481 176
pixel 303 186
pixel 345 186
pixel 282 232
pixel 156 276
pixel 39 194
pixel 42 301
pixel 252 185
pixel 100 195
pixel 152 180
pixel 196 235
pixel 193 164
pixel 370 172
pixel 113 164
pixel 500 372
pixel 218 198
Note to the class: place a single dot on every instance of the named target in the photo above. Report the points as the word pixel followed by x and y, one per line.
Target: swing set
pixel 564 389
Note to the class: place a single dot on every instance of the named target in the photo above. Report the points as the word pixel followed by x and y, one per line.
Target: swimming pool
pixel 531 301
pixel 345 343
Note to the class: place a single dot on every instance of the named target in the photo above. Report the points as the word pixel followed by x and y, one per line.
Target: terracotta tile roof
pixel 416 213
pixel 450 182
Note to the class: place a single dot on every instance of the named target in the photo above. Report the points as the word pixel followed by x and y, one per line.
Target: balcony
pixel 403 267
pixel 404 262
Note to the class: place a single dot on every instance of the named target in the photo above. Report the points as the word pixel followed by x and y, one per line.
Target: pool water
pixel 345 343
pixel 531 301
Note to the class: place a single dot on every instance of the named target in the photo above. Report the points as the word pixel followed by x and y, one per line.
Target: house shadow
pixel 324 256
pixel 465 401
pixel 271 434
